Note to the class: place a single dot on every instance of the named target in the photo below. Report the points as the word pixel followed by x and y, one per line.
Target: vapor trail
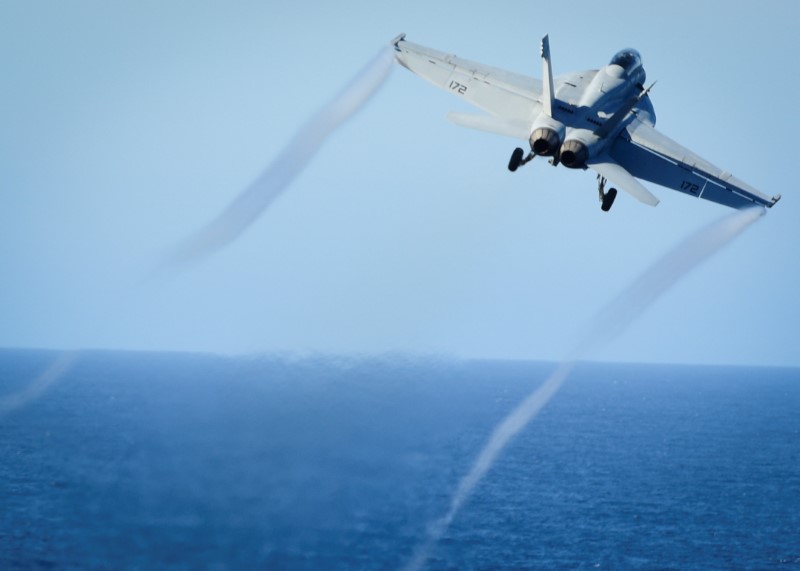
pixel 252 201
pixel 255 199
pixel 39 385
pixel 613 319
pixel 608 324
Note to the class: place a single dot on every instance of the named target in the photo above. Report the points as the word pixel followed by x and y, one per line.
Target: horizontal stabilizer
pixel 508 128
pixel 624 180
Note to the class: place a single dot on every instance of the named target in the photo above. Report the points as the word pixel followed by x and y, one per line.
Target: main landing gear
pixel 606 198
pixel 518 159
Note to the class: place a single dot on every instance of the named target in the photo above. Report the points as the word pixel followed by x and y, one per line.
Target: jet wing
pixel 515 100
pixel 649 155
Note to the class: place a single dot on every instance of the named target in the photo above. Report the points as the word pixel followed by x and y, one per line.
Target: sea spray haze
pixel 155 460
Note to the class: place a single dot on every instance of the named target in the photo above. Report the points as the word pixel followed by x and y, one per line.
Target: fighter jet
pixel 601 119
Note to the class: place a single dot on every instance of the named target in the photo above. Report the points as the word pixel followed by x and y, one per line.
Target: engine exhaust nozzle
pixel 574 154
pixel 545 142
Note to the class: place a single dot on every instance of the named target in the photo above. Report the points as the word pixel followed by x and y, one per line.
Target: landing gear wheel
pixel 608 199
pixel 516 159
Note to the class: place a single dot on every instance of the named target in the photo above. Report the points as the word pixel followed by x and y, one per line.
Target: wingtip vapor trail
pixel 610 322
pixel 40 385
pixel 253 201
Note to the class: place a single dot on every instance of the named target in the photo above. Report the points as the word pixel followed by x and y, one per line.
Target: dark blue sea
pixel 187 461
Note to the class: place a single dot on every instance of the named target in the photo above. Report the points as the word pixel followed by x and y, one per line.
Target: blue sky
pixel 129 125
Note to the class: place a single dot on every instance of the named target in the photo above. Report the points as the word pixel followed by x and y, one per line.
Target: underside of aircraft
pixel 600 119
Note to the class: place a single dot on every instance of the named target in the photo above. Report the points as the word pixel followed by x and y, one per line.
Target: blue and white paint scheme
pixel 601 119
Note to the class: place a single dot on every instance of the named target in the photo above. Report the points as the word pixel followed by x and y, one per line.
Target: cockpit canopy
pixel 629 60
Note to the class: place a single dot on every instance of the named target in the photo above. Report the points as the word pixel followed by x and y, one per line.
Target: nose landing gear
pixel 606 198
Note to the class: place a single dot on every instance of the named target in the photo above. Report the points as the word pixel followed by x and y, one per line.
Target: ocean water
pixel 184 461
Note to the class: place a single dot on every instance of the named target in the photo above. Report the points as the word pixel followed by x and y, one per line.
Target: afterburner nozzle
pixel 574 154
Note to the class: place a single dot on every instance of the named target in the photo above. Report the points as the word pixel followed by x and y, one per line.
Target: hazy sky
pixel 129 125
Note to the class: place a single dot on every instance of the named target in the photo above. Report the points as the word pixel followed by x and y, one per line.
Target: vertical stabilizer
pixel 547 78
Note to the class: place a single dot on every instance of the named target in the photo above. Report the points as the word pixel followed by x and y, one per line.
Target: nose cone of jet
pixel 574 154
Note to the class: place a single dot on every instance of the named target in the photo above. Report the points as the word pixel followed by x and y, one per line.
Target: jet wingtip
pixel 397 40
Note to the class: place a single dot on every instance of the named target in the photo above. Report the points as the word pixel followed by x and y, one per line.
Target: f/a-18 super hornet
pixel 601 119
